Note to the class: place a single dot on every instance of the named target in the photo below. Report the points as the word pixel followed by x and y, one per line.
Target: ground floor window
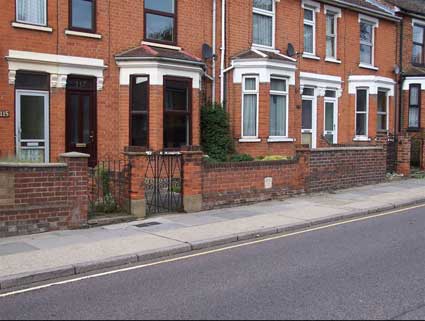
pixel 307 117
pixel 278 108
pixel 362 108
pixel 177 113
pixel 139 107
pixel 250 107
pixel 382 119
pixel 414 106
pixel 32 116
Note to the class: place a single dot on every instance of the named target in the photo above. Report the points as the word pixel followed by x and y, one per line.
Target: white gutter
pixel 214 49
pixel 223 48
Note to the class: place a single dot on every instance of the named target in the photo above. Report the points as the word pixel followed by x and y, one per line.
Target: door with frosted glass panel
pixel 81 117
pixel 32 126
pixel 330 122
pixel 307 131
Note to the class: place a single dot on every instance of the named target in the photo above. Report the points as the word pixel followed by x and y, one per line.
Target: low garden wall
pixel 38 198
pixel 227 184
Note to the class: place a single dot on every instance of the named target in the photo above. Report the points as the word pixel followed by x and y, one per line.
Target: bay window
pixel 414 106
pixel 382 118
pixel 160 21
pixel 32 12
pixel 278 108
pixel 263 23
pixel 177 114
pixel 139 108
pixel 250 107
pixel 362 110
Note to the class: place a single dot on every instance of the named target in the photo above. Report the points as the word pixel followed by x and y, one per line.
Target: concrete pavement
pixel 29 259
pixel 363 270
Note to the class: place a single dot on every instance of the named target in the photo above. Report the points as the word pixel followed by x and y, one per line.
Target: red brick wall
pixel 36 199
pixel 337 168
pixel 311 171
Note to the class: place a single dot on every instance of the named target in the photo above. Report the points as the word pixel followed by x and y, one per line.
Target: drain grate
pixel 148 224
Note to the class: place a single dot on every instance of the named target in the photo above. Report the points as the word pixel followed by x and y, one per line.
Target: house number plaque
pixel 4 114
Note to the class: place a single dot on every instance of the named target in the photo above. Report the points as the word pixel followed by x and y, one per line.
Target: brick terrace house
pixel 335 84
pixel 412 78
pixel 99 76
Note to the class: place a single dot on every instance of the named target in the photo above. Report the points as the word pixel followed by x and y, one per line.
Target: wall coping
pixel 75 155
pixel 341 149
pixel 250 164
pixel 31 165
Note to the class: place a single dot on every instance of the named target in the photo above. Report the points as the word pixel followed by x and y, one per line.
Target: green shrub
pixel 215 132
pixel 240 158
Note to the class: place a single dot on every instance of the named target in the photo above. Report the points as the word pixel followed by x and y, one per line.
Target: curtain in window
pixel 413 117
pixel 263 30
pixel 308 38
pixel 250 116
pixel 278 116
pixel 32 11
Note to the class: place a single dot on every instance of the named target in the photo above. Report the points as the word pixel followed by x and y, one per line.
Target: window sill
pixel 83 34
pixel 413 130
pixel 31 27
pixel 310 56
pixel 250 140
pixel 280 140
pixel 361 139
pixel 161 45
pixel 370 67
pixel 335 61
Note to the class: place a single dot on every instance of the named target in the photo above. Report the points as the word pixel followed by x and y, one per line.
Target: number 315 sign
pixel 4 114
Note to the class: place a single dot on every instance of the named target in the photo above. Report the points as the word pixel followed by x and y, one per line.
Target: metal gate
pixel 164 183
pixel 415 158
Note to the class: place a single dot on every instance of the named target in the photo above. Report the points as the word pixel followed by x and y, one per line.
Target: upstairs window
pixel 309 31
pixel 264 21
pixel 83 15
pixel 31 12
pixel 160 21
pixel 414 106
pixel 331 25
pixel 367 42
pixel 418 44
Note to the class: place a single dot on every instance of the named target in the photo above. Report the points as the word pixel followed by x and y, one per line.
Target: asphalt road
pixel 373 269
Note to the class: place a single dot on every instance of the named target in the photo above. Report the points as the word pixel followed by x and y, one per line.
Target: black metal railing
pixel 109 187
pixel 164 183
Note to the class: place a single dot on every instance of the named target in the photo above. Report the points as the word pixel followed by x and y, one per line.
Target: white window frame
pixel 268 14
pixel 335 35
pixel 313 24
pixel 29 23
pixel 283 94
pixel 387 109
pixel 250 92
pixel 18 94
pixel 362 137
pixel 374 23
pixel 334 101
